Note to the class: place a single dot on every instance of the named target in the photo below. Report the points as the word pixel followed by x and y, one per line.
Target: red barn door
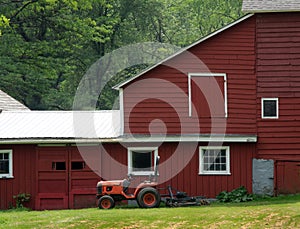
pixel 64 180
pixel 82 179
pixel 288 177
pixel 52 178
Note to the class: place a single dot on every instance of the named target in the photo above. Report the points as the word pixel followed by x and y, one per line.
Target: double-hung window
pixel 6 164
pixel 141 160
pixel 214 160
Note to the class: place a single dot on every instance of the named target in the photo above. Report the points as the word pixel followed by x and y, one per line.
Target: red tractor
pixel 146 193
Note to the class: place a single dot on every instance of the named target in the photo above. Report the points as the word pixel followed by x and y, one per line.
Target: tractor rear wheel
pixel 106 202
pixel 148 198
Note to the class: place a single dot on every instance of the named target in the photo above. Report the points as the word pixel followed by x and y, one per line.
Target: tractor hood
pixel 110 183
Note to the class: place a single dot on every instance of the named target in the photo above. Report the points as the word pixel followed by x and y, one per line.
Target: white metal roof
pixel 262 6
pixel 59 126
pixel 8 103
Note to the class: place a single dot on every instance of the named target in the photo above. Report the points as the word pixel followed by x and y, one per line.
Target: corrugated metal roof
pixel 256 6
pixel 59 125
pixel 8 103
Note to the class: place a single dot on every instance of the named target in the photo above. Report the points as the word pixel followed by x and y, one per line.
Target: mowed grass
pixel 279 212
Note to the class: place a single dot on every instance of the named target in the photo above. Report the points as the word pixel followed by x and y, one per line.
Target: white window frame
pixel 201 161
pixel 190 75
pixel 137 149
pixel 262 108
pixel 10 158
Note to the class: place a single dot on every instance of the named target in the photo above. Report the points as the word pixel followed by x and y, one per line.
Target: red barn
pixel 222 113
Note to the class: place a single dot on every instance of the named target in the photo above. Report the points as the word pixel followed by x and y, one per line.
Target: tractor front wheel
pixel 106 202
pixel 148 198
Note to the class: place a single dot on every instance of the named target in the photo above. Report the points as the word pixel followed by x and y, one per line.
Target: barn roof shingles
pixel 8 103
pixel 253 6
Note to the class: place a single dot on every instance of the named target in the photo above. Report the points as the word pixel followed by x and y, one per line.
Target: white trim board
pixel 196 138
pixel 121 104
pixel 277 108
pixel 141 149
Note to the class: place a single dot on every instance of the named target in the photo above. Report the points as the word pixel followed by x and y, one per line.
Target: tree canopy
pixel 46 46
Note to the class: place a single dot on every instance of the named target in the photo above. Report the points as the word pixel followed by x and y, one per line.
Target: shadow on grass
pixel 16 210
pixel 258 201
pixel 263 200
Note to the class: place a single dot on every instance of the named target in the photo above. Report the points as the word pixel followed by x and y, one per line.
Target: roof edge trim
pixel 271 11
pixel 118 86
pixel 191 138
pixel 58 141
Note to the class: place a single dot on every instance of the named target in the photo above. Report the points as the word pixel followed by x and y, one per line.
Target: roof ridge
pixel 266 6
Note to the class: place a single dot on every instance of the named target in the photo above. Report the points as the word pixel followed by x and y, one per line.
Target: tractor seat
pixel 125 185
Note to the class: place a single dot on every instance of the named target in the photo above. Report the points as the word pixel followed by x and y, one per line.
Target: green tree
pixel 46 50
pixel 47 45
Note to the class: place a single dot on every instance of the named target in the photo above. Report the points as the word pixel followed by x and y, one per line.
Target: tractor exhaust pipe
pixel 156 168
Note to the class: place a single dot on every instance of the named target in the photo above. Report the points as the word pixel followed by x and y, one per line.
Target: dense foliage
pixel 237 195
pixel 46 46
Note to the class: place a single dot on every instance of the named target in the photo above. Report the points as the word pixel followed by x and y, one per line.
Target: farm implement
pixel 146 194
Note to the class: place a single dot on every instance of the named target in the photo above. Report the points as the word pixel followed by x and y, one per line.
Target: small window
pixel 141 160
pixel 269 107
pixel 77 165
pixel 60 165
pixel 6 164
pixel 214 160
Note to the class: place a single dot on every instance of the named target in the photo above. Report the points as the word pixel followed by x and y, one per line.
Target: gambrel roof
pixel 264 6
pixel 8 103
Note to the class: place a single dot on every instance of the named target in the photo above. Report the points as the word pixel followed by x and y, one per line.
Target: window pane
pixel 224 167
pixel 6 156
pixel 223 153
pixel 270 109
pixel 211 167
pixel 59 165
pixel 141 161
pixel 4 166
pixel 214 160
pixel 77 165
pixel 223 160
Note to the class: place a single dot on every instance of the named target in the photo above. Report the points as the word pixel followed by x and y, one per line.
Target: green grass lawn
pixel 279 212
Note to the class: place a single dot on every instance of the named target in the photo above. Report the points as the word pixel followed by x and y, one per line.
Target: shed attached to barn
pixel 222 113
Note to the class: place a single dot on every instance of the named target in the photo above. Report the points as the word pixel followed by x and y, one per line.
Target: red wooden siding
pixel 278 70
pixel 190 181
pixel 202 108
pixel 24 176
pixel 231 52
pixel 54 187
pixel 288 177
